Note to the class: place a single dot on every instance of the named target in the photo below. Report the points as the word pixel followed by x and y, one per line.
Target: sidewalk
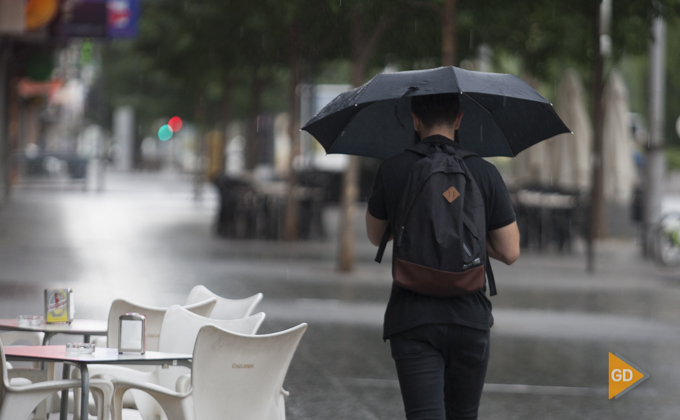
pixel 146 239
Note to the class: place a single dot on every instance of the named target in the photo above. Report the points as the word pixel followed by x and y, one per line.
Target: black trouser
pixel 441 370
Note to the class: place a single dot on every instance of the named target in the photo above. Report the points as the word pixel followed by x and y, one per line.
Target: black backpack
pixel 440 227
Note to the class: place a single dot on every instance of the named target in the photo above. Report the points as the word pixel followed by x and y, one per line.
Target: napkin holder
pixel 132 333
pixel 59 307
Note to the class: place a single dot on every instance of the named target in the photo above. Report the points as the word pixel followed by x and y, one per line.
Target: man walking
pixel 441 345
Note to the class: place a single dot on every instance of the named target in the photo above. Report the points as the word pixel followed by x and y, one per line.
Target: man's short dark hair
pixel 436 109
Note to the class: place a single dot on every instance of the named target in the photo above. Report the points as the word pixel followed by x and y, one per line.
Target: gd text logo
pixel 623 376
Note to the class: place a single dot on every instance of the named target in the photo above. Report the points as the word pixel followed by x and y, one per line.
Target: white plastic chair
pixel 178 335
pixel 234 377
pixel 23 338
pixel 18 400
pixel 224 308
pixel 154 319
pixel 34 375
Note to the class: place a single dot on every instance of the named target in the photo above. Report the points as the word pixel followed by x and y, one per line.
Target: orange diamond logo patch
pixel 623 376
pixel 451 194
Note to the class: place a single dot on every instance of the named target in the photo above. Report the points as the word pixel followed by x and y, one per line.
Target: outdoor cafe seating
pixel 34 374
pixel 154 320
pixel 548 217
pixel 178 333
pixel 253 209
pixel 256 366
pixel 201 301
pixel 224 308
pixel 20 398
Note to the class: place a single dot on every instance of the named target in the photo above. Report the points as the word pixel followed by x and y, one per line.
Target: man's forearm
pixel 503 244
pixel 497 255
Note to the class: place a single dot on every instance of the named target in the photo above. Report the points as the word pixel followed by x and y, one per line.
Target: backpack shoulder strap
pixel 425 149
pixel 490 277
pixel 383 243
pixel 457 151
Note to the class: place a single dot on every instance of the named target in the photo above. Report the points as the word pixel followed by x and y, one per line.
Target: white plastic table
pixel 101 356
pixel 84 327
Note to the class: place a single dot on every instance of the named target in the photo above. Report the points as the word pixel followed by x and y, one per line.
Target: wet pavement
pixel 146 239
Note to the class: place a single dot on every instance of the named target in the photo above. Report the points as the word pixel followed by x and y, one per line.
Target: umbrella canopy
pixel 502 115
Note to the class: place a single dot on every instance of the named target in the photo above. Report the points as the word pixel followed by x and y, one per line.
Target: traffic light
pixel 174 125
pixel 165 133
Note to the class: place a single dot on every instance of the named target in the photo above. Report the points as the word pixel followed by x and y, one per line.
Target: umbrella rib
pixel 494 121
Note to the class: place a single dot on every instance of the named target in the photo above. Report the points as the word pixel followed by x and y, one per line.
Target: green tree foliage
pixel 212 51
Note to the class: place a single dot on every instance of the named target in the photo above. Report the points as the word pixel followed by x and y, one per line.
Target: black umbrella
pixel 502 115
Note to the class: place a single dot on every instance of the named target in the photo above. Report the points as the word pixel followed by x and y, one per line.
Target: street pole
pixel 655 162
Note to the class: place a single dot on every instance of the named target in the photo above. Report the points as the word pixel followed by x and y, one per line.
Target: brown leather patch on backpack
pixel 451 194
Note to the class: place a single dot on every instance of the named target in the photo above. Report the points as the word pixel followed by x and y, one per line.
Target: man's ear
pixel 456 125
pixel 417 124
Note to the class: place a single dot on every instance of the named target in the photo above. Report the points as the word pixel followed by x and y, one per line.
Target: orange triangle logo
pixel 623 376
pixel 451 194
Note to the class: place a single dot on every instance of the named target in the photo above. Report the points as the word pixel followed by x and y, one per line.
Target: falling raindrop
pixel 415 26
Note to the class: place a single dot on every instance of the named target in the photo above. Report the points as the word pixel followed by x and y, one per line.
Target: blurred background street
pixel 146 239
pixel 150 146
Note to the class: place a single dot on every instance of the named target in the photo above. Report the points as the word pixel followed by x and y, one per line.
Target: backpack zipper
pixel 467 250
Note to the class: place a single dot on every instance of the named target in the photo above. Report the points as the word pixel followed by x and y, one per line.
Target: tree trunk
pixel 253 142
pixel 291 223
pixel 217 149
pixel 363 46
pixel 200 148
pixel 448 19
pixel 596 222
pixel 225 116
pixel 350 192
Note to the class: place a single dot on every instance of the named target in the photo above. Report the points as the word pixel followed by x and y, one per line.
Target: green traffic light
pixel 165 133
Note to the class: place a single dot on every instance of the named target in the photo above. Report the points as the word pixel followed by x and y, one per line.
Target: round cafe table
pixel 84 327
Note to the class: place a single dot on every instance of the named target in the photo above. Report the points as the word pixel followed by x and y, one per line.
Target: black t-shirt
pixel 407 309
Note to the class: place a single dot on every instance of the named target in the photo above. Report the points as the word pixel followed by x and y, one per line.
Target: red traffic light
pixel 175 123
